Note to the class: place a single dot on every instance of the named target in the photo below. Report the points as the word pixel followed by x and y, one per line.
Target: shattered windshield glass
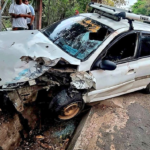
pixel 79 36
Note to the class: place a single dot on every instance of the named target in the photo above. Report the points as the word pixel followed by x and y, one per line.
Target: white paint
pixel 110 89
pixel 112 82
pixel 88 99
pixel 15 44
pixel 142 71
pixel 137 17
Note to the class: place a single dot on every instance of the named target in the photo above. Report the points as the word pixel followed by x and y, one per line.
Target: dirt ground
pixel 52 135
pixel 34 129
pixel 121 123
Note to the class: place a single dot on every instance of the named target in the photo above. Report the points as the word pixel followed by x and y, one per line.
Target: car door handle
pixel 131 71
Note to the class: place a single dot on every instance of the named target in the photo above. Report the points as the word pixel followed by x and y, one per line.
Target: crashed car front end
pixel 48 60
pixel 30 64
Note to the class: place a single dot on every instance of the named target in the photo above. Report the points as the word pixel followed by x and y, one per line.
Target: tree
pixel 142 7
pixel 6 21
pixel 111 2
pixel 119 2
pixel 55 10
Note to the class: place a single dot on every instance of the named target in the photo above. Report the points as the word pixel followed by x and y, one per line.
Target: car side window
pixel 145 45
pixel 123 49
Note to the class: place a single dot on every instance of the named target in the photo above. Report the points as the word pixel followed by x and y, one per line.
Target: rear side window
pixel 145 45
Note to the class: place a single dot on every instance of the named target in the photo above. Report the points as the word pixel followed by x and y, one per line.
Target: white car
pixel 83 59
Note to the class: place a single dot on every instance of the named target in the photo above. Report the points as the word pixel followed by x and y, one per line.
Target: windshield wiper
pixel 46 34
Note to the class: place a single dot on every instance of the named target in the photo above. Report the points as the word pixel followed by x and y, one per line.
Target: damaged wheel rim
pixel 70 111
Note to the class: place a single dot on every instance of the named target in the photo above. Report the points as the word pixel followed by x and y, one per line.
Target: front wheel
pixel 66 107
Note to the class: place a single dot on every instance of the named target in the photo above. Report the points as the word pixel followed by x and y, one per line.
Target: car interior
pixel 100 35
pixel 145 46
pixel 122 49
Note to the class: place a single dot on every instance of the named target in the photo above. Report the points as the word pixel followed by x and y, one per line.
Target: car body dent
pixel 32 44
pixel 112 82
pixel 98 95
pixel 92 98
pixel 26 59
pixel 83 80
pixel 32 49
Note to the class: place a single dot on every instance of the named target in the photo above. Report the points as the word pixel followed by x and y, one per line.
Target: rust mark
pixel 90 25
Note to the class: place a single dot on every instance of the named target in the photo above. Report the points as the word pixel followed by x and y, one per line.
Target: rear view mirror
pixel 106 65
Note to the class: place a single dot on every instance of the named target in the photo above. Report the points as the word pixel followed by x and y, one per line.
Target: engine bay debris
pixel 32 64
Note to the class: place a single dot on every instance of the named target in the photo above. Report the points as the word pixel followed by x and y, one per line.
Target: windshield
pixel 79 36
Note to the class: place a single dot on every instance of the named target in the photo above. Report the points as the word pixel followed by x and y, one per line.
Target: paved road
pixel 121 123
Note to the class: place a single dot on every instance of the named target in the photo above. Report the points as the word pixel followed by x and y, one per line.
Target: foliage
pixel 112 2
pixel 120 2
pixel 142 7
pixel 55 10
pixel 7 23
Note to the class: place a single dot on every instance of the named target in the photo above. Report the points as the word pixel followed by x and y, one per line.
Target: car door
pixel 142 76
pixel 121 80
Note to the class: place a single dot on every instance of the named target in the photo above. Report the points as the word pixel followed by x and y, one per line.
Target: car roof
pixel 115 25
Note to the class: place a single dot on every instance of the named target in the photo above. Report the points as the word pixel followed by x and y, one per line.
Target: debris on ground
pixel 10 128
pixel 52 135
pixel 33 128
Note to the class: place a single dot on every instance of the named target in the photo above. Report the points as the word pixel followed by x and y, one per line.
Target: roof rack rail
pixel 117 13
pixel 107 7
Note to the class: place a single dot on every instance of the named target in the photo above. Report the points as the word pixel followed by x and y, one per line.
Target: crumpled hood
pixel 17 44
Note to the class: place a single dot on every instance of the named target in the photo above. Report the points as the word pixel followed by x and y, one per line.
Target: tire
pixel 147 90
pixel 65 107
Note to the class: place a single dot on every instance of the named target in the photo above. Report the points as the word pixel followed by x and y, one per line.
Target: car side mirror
pixel 106 65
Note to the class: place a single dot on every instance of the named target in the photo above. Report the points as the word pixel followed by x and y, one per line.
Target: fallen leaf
pixel 45 146
pixel 39 137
